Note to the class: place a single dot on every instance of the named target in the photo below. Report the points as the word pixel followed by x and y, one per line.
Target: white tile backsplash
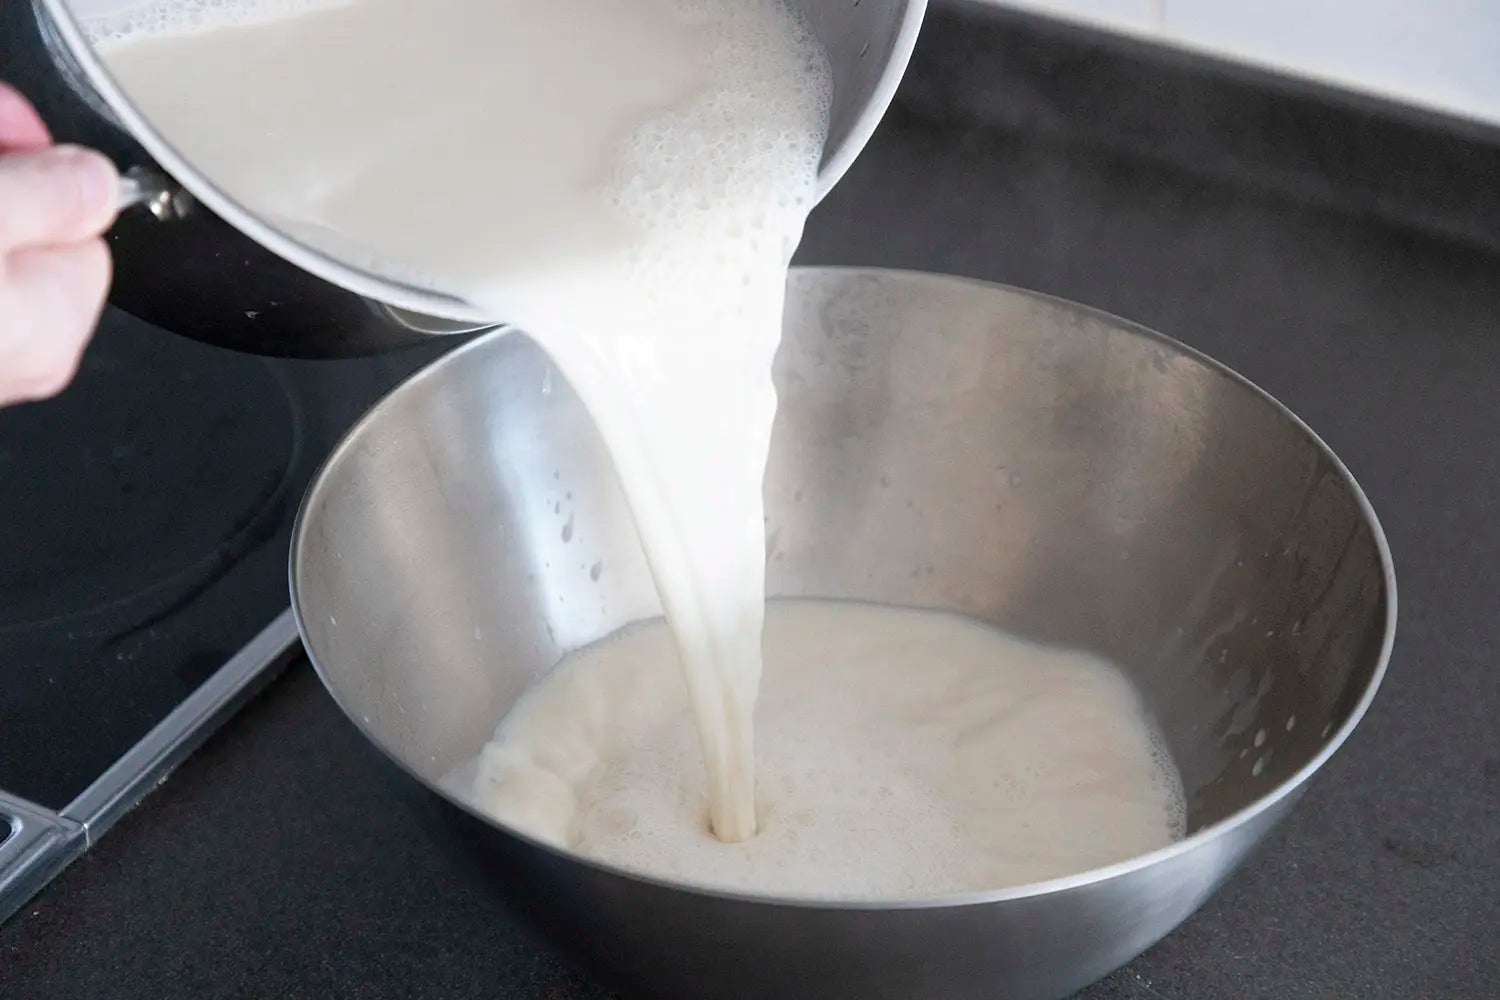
pixel 1443 54
pixel 1129 15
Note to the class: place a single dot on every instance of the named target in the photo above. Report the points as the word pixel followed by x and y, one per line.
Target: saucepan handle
pixel 156 191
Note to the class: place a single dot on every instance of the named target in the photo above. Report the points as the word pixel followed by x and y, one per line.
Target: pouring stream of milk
pixel 624 180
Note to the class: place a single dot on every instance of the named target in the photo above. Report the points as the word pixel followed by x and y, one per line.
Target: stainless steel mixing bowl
pixel 941 443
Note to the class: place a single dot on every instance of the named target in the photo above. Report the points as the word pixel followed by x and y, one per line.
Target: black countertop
pixel 279 863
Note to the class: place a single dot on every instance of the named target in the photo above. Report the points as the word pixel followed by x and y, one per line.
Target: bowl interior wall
pixel 940 443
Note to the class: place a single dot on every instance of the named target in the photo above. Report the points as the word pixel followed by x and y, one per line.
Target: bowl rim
pixel 1264 803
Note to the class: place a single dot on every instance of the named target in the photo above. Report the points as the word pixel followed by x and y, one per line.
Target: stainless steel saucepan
pixel 941 443
pixel 200 264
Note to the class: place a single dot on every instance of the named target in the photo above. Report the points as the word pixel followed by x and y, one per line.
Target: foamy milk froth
pixel 626 180
pixel 900 754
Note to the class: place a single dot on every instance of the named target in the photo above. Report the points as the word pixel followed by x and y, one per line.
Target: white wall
pixel 1443 54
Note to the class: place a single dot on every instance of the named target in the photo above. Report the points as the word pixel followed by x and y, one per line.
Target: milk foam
pixel 110 22
pixel 901 754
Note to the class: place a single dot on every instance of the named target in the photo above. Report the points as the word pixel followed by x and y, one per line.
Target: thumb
pixel 55 197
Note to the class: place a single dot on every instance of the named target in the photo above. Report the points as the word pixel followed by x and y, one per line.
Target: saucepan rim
pixel 406 295
pixel 1289 786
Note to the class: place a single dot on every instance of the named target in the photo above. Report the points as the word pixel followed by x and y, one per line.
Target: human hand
pixel 55 204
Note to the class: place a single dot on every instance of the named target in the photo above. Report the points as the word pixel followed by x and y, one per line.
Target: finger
pixel 21 128
pixel 50 301
pixel 55 197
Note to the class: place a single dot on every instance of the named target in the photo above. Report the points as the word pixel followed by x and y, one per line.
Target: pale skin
pixel 56 201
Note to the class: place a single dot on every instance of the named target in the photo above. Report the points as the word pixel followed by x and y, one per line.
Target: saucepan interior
pixel 941 443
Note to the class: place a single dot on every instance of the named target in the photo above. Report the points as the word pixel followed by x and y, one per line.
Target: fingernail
pixel 98 181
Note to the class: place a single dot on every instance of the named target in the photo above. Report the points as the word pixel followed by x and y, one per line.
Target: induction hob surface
pixel 145 518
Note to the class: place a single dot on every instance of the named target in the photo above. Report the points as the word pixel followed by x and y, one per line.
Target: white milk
pixel 901 754
pixel 626 179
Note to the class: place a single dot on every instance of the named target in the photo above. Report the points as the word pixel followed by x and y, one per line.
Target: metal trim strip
pixel 41 842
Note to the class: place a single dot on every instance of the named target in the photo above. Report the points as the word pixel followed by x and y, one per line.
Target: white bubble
pixel 172 17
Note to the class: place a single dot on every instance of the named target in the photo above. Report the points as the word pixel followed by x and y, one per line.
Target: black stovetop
pixel 145 516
